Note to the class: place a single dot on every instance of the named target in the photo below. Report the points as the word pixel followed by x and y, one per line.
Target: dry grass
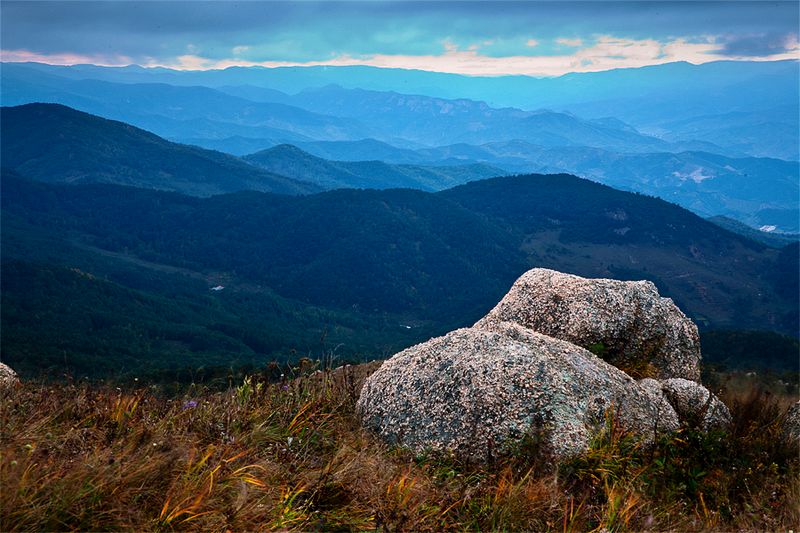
pixel 291 456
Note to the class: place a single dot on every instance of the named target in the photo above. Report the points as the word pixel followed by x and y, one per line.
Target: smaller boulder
pixel 695 404
pixel 8 377
pixel 791 424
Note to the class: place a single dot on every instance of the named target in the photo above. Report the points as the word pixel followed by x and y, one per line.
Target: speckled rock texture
pixel 7 376
pixel 791 424
pixel 646 411
pixel 695 403
pixel 476 391
pixel 638 328
pixel 524 369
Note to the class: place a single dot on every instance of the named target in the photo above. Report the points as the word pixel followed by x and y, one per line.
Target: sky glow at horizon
pixel 473 38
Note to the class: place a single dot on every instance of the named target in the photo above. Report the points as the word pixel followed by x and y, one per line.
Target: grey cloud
pixel 757 45
pixel 313 30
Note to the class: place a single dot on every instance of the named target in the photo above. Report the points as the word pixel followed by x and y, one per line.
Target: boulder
pixel 476 391
pixel 627 323
pixel 791 424
pixel 646 411
pixel 7 376
pixel 696 404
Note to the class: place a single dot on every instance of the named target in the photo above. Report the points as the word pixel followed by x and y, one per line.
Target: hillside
pixel 593 230
pixel 70 306
pixel 171 110
pixel 289 160
pixel 773 239
pixel 54 143
pixel 757 191
pixel 443 257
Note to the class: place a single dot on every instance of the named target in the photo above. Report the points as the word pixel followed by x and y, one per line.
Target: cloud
pixel 607 52
pixel 759 45
pixel 475 38
pixel 574 43
pixel 308 30
pixel 65 58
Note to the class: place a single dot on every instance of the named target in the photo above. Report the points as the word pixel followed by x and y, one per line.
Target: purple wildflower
pixel 189 405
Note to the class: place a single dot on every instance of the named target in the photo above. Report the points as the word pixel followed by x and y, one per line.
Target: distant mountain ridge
pixel 168 109
pixel 327 113
pixel 52 142
pixel 650 98
pixel 291 161
pixel 758 191
pixel 55 143
pixel 436 121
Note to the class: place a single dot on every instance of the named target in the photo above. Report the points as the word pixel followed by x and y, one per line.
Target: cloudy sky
pixel 475 38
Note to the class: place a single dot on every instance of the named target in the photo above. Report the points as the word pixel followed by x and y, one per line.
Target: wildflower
pixel 189 405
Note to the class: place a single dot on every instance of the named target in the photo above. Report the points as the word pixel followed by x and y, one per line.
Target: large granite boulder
pixel 477 391
pixel 7 376
pixel 626 322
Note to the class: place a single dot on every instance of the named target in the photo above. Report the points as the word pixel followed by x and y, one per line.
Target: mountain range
pixel 674 101
pixel 290 161
pixel 55 143
pixel 757 191
pixel 327 113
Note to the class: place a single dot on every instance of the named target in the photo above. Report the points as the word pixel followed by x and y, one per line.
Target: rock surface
pixel 476 391
pixel 524 370
pixel 636 328
pixel 695 403
pixel 791 424
pixel 7 376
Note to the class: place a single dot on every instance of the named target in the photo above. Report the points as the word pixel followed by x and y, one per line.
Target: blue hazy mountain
pixel 175 106
pixel 435 121
pixel 329 113
pixel 649 98
pixel 54 143
pixel 769 133
pixel 288 160
pixel 757 191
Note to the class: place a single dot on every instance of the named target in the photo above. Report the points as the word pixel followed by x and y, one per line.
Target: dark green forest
pixel 102 280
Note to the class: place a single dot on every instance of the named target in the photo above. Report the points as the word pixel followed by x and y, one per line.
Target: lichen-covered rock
pixel 646 411
pixel 626 321
pixel 7 376
pixel 696 404
pixel 476 391
pixel 791 424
